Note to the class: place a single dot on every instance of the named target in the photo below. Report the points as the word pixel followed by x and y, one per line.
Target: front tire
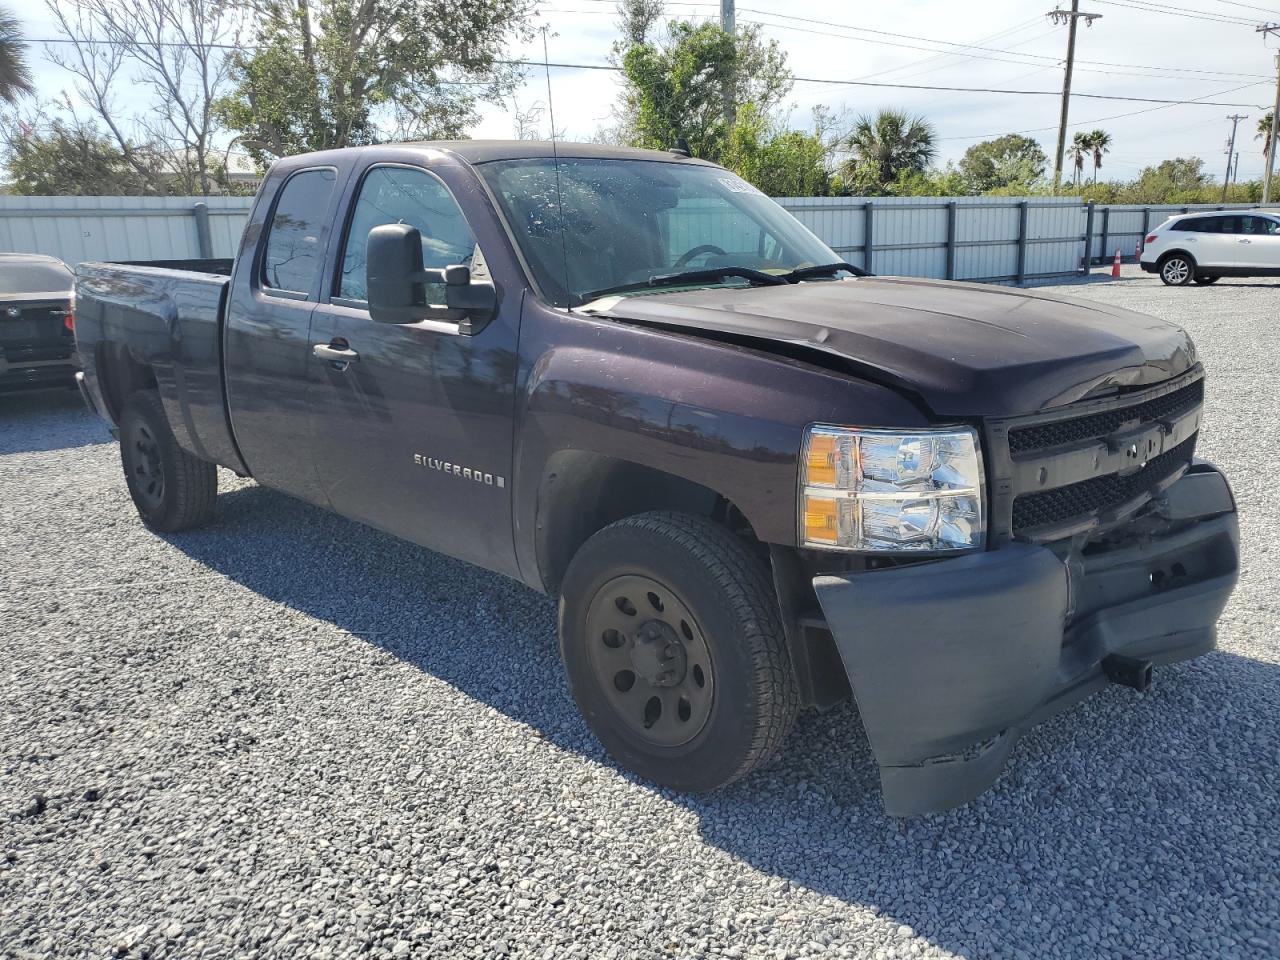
pixel 674 650
pixel 1177 269
pixel 172 489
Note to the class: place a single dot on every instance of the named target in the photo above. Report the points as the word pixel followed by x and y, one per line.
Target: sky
pixel 1164 49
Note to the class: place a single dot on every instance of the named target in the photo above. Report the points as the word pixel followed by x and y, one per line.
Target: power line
pixel 1177 12
pixel 1197 101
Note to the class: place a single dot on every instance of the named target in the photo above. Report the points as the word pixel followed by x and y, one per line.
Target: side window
pixel 1229 224
pixel 1262 226
pixel 1207 225
pixel 415 197
pixel 294 255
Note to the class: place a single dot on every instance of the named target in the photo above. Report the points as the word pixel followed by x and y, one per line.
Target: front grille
pixel 1098 494
pixel 1062 432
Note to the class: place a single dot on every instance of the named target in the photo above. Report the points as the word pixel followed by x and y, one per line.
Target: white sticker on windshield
pixel 738 185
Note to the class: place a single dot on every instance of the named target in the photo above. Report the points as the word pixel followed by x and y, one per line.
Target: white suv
pixel 1205 246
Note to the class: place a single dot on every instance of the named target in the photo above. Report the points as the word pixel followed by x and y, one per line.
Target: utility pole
pixel 728 25
pixel 1235 119
pixel 1070 18
pixel 1266 30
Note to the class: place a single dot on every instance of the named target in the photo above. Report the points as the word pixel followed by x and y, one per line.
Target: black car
pixel 37 332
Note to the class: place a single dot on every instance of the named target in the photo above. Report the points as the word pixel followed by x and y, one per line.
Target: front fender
pixel 721 416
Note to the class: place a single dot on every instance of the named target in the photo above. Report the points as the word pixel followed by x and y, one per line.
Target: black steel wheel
pixel 172 489
pixel 652 660
pixel 674 650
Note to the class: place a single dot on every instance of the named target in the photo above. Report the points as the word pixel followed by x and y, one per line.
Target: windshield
pixel 34 276
pixel 626 221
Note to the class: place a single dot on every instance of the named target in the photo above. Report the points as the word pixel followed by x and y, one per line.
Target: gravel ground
pixel 288 735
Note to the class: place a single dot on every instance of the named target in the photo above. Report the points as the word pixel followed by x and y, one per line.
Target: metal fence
pixel 979 238
pixel 123 228
pixel 1002 239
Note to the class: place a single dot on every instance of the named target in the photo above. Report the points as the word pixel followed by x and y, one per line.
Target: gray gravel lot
pixel 288 735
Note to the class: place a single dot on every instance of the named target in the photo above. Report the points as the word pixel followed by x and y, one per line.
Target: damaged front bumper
pixel 951 660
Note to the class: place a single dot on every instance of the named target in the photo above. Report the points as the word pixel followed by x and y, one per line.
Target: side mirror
pixel 396 283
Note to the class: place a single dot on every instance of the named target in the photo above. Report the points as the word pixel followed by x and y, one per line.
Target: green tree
pixel 1099 143
pixel 1076 153
pixel 1180 180
pixel 781 163
pixel 329 73
pixel 15 76
pixel 63 159
pixel 683 86
pixel 887 145
pixel 1264 134
pixel 1001 163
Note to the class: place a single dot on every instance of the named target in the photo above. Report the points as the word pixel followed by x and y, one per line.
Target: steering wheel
pixel 697 251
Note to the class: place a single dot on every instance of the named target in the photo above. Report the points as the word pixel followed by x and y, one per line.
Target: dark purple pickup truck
pixel 756 479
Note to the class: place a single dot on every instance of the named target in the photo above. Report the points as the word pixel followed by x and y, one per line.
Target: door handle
pixel 1244 241
pixel 338 355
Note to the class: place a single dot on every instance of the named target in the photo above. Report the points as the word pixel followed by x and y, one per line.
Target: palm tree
pixel 1081 147
pixel 892 142
pixel 1099 143
pixel 15 76
pixel 1264 134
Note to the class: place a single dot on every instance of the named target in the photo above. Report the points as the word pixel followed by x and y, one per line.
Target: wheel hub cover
pixel 658 654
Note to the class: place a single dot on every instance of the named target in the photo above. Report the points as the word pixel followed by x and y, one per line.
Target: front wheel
pixel 1205 281
pixel 1177 270
pixel 172 489
pixel 674 650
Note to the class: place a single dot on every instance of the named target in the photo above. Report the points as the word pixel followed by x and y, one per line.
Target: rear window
pixel 295 249
pixel 34 276
pixel 1199 225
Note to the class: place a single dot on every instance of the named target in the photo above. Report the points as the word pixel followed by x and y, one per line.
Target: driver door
pixel 412 423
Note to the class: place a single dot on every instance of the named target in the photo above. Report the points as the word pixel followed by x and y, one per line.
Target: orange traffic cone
pixel 1115 267
pixel 1137 250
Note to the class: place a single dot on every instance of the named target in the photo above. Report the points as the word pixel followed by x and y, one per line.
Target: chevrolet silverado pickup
pixel 754 478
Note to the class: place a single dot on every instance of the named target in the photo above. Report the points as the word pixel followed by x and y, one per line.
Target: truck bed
pixel 165 316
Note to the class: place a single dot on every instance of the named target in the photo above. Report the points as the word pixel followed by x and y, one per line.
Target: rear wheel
pixel 674 650
pixel 1177 269
pixel 1205 281
pixel 172 489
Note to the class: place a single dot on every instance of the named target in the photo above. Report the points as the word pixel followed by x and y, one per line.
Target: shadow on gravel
pixel 1133 824
pixel 39 421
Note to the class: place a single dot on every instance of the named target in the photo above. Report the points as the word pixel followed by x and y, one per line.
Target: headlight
pixel 879 490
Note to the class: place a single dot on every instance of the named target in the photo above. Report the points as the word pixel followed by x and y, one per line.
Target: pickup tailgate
pixel 161 319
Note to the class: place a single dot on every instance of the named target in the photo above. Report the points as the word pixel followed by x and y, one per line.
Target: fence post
pixel 868 236
pixel 1146 223
pixel 1023 212
pixel 1088 236
pixel 1106 230
pixel 951 240
pixel 204 236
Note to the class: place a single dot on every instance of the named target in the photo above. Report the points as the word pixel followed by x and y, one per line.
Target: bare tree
pixel 175 49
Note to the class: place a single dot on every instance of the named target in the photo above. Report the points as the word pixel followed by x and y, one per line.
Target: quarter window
pixel 294 252
pixel 414 197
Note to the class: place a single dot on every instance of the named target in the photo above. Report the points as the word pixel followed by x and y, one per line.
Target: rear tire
pixel 1177 269
pixel 1205 281
pixel 674 650
pixel 172 489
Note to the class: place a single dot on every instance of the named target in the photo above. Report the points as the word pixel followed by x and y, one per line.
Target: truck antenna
pixel 555 159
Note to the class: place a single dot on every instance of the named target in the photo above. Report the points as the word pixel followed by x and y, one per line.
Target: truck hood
pixel 964 349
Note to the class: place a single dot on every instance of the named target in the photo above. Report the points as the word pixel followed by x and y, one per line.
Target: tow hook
pixel 1128 671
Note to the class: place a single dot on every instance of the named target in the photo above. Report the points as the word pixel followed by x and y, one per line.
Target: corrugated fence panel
pixel 75 229
pixel 910 236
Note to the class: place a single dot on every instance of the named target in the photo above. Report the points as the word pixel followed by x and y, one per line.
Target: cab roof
pixel 487 151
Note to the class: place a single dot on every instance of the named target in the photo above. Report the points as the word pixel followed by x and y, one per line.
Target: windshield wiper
pixel 823 270
pixel 710 275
